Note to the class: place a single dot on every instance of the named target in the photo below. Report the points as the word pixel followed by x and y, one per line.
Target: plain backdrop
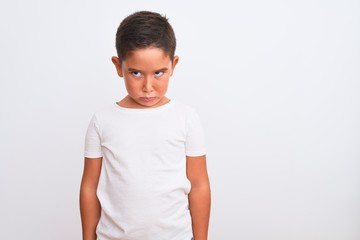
pixel 276 83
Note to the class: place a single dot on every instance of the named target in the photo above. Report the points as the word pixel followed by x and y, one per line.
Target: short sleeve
pixel 195 141
pixel 93 140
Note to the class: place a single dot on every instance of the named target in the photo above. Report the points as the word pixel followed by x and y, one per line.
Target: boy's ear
pixel 174 62
pixel 116 61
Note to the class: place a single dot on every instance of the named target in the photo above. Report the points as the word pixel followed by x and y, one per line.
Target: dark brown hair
pixel 142 30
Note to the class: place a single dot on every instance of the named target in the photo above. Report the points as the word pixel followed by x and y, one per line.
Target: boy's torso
pixel 143 186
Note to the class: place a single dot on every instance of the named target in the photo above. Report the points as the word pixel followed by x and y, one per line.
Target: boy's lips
pixel 147 99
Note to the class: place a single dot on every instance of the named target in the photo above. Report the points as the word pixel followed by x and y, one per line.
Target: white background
pixel 276 83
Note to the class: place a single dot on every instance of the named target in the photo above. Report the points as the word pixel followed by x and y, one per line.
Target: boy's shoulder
pixel 183 110
pixel 182 106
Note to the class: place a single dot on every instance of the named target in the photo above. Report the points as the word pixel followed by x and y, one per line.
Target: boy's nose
pixel 148 86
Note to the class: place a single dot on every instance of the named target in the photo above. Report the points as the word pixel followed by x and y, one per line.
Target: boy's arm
pixel 199 196
pixel 89 203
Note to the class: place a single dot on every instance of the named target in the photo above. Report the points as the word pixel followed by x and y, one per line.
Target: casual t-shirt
pixel 143 188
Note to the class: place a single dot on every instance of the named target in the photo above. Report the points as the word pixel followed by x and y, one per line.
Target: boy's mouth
pixel 147 99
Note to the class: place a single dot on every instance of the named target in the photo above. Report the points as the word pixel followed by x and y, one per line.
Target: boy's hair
pixel 142 30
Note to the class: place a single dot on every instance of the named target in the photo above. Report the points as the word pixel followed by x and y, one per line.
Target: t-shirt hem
pixel 92 155
pixel 196 153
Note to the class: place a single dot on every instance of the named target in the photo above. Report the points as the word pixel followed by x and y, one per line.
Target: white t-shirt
pixel 143 188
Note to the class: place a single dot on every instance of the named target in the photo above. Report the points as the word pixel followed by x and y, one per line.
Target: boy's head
pixel 144 30
pixel 145 44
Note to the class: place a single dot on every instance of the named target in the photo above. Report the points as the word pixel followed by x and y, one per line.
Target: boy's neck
pixel 128 102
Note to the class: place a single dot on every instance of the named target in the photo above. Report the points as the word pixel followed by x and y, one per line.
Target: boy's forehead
pixel 147 56
pixel 147 50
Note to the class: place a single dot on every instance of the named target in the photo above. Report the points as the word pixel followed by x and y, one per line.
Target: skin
pixel 89 203
pixel 199 196
pixel 146 73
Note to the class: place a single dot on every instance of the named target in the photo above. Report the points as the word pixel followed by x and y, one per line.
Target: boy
pixel 145 174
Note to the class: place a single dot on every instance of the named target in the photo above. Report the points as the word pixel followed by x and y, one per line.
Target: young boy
pixel 145 174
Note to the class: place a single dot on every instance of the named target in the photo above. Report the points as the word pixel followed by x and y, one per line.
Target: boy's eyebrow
pixel 133 70
pixel 162 69
pixel 136 70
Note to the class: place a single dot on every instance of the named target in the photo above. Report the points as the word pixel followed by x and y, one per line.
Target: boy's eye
pixel 136 74
pixel 159 73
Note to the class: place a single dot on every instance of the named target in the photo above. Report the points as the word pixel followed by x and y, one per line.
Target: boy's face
pixel 146 73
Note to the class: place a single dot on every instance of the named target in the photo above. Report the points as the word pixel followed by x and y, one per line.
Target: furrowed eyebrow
pixel 162 70
pixel 136 70
pixel 133 70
